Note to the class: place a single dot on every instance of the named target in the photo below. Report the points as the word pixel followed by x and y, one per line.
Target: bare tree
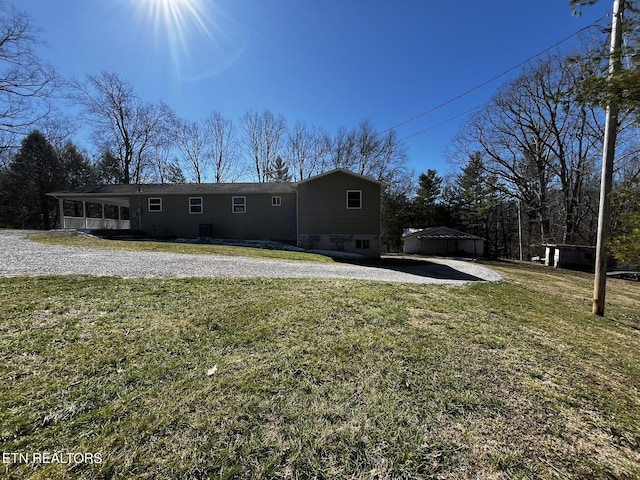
pixel 26 84
pixel 366 152
pixel 58 130
pixel 165 165
pixel 263 140
pixel 343 150
pixel 222 146
pixel 541 144
pixel 306 150
pixel 123 123
pixel 191 141
pixel 368 149
pixel 390 162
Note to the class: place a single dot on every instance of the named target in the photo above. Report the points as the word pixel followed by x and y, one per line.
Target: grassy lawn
pixel 86 241
pixel 257 378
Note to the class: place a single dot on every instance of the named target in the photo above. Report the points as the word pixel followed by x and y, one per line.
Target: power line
pixel 486 82
pixel 444 121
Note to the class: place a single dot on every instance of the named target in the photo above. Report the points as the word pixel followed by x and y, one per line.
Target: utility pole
pixel 608 153
pixel 520 229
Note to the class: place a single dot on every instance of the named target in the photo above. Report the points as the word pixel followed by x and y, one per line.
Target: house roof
pixel 175 189
pixel 348 172
pixel 569 247
pixel 441 233
pixel 111 193
pixel 119 194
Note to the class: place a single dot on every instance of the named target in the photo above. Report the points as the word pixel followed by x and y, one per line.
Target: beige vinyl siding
pixel 322 206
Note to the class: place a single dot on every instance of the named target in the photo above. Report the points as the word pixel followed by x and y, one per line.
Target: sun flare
pixel 176 17
pixel 177 24
pixel 197 35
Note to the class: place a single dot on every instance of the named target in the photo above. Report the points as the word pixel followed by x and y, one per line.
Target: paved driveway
pixel 20 256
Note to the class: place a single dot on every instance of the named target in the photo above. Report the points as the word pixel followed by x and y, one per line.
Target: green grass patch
pixel 262 378
pixel 86 241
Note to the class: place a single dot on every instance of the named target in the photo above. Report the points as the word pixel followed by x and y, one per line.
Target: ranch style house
pixel 337 210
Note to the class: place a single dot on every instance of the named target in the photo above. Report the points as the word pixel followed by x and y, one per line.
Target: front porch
pixel 84 215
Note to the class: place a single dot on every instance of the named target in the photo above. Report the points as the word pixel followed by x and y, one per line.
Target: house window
pixel 362 244
pixel 239 204
pixel 354 199
pixel 195 204
pixel 155 204
pixel 276 201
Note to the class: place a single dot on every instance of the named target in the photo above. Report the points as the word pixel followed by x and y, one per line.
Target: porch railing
pixel 95 223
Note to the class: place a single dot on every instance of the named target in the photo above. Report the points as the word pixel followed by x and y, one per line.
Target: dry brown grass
pixel 322 379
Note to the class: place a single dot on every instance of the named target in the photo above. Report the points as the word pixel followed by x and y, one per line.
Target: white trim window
pixel 195 205
pixel 276 201
pixel 354 199
pixel 239 204
pixel 154 204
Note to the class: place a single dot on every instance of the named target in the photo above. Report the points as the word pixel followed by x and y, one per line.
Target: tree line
pixel 524 167
pixel 527 165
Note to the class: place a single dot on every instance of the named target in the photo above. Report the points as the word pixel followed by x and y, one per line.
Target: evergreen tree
pixel 625 243
pixel 76 167
pixel 279 171
pixel 396 214
pixel 109 169
pixel 34 172
pixel 174 173
pixel 476 198
pixel 429 191
pixel 6 210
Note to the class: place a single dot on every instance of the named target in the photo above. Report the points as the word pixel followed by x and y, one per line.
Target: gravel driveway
pixel 20 256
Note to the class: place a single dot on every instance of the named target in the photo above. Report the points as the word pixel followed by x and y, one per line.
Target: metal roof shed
pixel 443 241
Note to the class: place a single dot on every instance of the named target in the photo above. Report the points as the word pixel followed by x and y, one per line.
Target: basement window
pixel 362 244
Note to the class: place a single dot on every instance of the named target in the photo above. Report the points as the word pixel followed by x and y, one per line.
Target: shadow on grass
pixel 419 267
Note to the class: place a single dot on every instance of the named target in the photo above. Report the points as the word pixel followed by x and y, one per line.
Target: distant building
pixel 573 257
pixel 442 241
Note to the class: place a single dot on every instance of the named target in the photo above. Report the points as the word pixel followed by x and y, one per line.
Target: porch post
pixel 62 221
pixel 84 213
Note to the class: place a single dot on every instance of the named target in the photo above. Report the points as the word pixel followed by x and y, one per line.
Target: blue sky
pixel 330 63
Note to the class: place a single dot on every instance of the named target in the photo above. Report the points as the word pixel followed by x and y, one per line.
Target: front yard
pixel 255 378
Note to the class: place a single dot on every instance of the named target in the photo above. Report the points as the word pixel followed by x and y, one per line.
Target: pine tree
pixel 625 243
pixel 429 191
pixel 396 213
pixel 34 172
pixel 476 198
pixel 279 171
pixel 76 168
pixel 109 169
